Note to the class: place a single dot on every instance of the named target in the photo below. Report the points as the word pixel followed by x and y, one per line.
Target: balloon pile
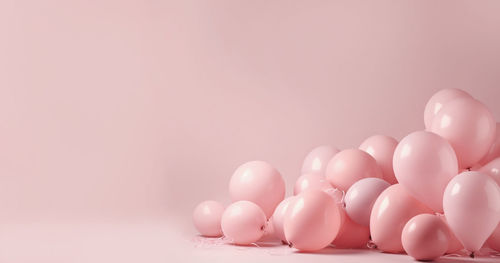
pixel 435 192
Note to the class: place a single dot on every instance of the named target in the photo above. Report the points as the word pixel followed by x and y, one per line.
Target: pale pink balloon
pixel 243 222
pixel 310 181
pixel 318 158
pixel 349 166
pixel 206 218
pixel 424 163
pixel 438 100
pixel 494 239
pixel 492 169
pixel 360 198
pixel 454 244
pixel 425 237
pixel 258 182
pixel 278 217
pixel 472 208
pixel 494 151
pixel 392 210
pixel 313 222
pixel 381 148
pixel 352 235
pixel 469 127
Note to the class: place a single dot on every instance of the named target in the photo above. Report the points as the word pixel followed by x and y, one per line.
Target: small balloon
pixel 350 166
pixel 381 148
pixel 494 240
pixel 360 198
pixel 494 151
pixel 391 211
pixel 258 182
pixel 317 159
pixel 207 217
pixel 492 169
pixel 424 163
pixel 278 217
pixel 425 237
pixel 438 100
pixel 472 208
pixel 313 222
pixel 352 235
pixel 468 126
pixel 311 181
pixel 243 222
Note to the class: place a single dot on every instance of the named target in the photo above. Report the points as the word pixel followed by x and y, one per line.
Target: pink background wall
pixel 126 109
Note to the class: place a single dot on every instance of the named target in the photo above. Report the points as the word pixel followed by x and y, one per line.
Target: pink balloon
pixel 454 244
pixel 425 237
pixel 392 210
pixel 311 181
pixel 318 158
pixel 352 235
pixel 360 198
pixel 494 151
pixel 424 163
pixel 494 239
pixel 206 218
pixel 350 166
pixel 381 148
pixel 313 221
pixel 469 127
pixel 258 182
pixel 438 100
pixel 492 169
pixel 472 208
pixel 243 222
pixel 278 217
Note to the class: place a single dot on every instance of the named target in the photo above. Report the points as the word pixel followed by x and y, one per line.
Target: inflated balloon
pixel 278 217
pixel 311 181
pixel 468 126
pixel 454 244
pixel 243 222
pixel 494 240
pixel 391 211
pixel 494 151
pixel 472 208
pixel 424 163
pixel 258 182
pixel 381 148
pixel 360 198
pixel 352 235
pixel 425 237
pixel 438 100
pixel 492 169
pixel 317 160
pixel 350 166
pixel 206 218
pixel 313 222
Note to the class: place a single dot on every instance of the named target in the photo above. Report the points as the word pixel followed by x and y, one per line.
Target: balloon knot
pixel 472 255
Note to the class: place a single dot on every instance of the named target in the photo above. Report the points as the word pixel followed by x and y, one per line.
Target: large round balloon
pixel 318 158
pixel 438 100
pixel 472 208
pixel 350 166
pixel 469 127
pixel 206 218
pixel 243 222
pixel 492 169
pixel 494 240
pixel 278 217
pixel 381 148
pixel 390 213
pixel 425 237
pixel 313 221
pixel 311 181
pixel 352 235
pixel 424 163
pixel 494 151
pixel 360 198
pixel 258 182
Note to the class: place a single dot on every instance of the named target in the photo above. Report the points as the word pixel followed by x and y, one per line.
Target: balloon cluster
pixel 433 193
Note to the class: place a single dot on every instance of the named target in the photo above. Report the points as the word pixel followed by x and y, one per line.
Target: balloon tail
pixel 371 245
pixel 472 255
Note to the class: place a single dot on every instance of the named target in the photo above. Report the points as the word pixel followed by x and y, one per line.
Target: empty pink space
pixel 118 117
